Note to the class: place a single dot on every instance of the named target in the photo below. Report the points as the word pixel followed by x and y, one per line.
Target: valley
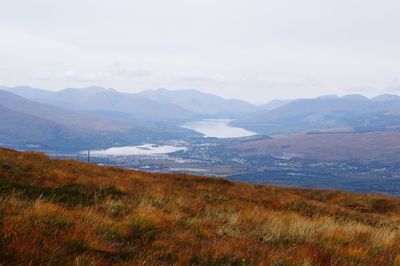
pixel 353 145
pixel 199 133
pixel 228 158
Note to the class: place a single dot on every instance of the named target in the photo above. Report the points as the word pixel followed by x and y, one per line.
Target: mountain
pixel 24 122
pixel 351 112
pixel 68 118
pixel 199 102
pixel 329 96
pixel 108 103
pixel 386 98
pixel 274 104
pixel 20 128
pixel 355 97
pixel 151 105
pixel 28 92
pixel 54 212
pixel 171 108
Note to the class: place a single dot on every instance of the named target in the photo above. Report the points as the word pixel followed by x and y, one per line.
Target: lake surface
pixel 217 128
pixel 145 149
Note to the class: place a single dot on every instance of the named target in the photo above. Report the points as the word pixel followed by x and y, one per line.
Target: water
pixel 217 128
pixel 145 149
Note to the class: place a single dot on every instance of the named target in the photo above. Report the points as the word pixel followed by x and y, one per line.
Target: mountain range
pixel 350 113
pixel 96 117
pixel 153 105
pixel 199 102
pixel 24 122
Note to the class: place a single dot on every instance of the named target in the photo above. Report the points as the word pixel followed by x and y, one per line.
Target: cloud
pixel 257 50
pixel 117 69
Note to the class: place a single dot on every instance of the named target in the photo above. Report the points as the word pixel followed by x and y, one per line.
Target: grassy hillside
pixel 55 212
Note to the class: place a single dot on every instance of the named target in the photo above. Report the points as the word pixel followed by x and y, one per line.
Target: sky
pixel 256 50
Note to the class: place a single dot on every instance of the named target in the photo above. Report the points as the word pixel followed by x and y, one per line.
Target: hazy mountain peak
pixel 164 91
pixel 275 104
pixel 355 97
pixel 331 96
pixel 198 102
pixel 160 90
pixel 28 92
pixel 21 87
pixel 90 89
pixel 386 98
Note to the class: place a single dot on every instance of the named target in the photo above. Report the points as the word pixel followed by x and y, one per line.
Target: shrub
pixel 69 195
pixel 114 208
pixel 1 230
pixel 382 206
pixel 84 261
pixel 109 232
pixel 303 208
pixel 142 229
pixel 76 246
pixel 5 186
pixel 210 260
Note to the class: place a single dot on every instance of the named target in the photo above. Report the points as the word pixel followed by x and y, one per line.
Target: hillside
pixel 55 212
pixel 109 102
pixel 355 112
pixel 15 126
pixel 199 102
pixel 73 120
pixel 365 147
pixel 24 122
pixel 155 105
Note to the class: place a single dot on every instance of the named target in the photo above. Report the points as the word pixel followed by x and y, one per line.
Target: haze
pixel 252 50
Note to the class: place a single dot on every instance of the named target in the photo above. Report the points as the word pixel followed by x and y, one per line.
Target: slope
pixel 107 103
pixel 199 102
pixel 66 212
pixel 351 112
pixel 25 122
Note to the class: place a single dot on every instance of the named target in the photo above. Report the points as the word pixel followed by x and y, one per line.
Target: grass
pixel 57 212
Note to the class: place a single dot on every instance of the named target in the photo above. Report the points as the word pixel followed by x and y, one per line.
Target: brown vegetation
pixel 335 146
pixel 57 212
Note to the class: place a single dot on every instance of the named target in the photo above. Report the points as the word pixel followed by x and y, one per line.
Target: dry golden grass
pixel 57 212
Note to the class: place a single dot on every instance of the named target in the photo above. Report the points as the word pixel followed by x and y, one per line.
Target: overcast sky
pixel 256 50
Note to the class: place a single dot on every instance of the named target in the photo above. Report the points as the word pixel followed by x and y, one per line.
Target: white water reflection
pixel 145 149
pixel 217 128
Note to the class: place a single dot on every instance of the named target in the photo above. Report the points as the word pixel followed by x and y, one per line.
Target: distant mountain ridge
pixel 96 117
pixel 275 104
pixel 172 108
pixel 155 105
pixel 199 102
pixel 105 101
pixel 25 122
pixel 354 112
